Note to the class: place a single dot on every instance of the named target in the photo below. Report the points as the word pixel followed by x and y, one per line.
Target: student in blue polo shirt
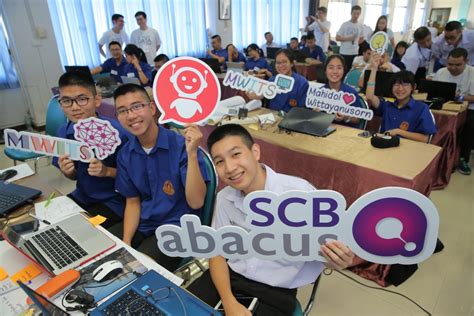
pixel 114 65
pixel 217 52
pixel 137 65
pixel 334 69
pixel 297 96
pixel 95 186
pixel 234 54
pixel 256 61
pixel 313 52
pixel 160 173
pixel 405 117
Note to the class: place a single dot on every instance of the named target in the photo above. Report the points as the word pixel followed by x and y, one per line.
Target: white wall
pixel 39 65
pixel 216 26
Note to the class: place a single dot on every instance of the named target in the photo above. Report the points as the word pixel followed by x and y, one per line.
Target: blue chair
pixel 363 123
pixel 54 119
pixel 352 78
pixel 298 310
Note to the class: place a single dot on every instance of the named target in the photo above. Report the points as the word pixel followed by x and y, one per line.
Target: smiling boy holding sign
pixel 274 283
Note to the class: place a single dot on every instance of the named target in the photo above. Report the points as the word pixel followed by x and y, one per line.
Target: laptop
pixel 46 307
pixel 83 69
pixel 64 245
pixel 307 121
pixel 237 67
pixel 153 294
pixel 438 89
pixel 213 63
pixel 133 80
pixel 383 83
pixel 12 196
pixel 271 52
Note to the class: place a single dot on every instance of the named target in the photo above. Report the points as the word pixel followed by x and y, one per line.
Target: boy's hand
pixel 97 168
pixel 66 165
pixel 237 309
pixel 193 137
pixel 338 255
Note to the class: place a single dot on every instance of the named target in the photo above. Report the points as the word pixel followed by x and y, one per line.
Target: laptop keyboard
pixel 59 246
pixel 131 303
pixel 9 200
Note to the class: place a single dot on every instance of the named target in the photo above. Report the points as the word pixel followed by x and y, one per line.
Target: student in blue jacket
pixel 256 62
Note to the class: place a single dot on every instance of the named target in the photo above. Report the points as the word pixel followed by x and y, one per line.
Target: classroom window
pixel 419 17
pixel 399 16
pixel 373 9
pixel 339 11
pixel 8 76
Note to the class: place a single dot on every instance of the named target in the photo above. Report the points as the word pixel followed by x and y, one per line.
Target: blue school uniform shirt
pixel 317 53
pixel 158 178
pixel 358 103
pixel 397 61
pixel 240 58
pixel 110 65
pixel 295 98
pixel 221 53
pixel 415 113
pixel 90 189
pixel 130 68
pixel 260 63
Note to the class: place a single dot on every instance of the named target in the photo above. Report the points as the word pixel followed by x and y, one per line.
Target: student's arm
pixel 67 167
pixel 141 74
pixel 96 70
pixel 131 218
pixel 322 26
pixel 195 188
pixel 372 99
pixel 409 135
pixel 101 50
pixel 221 279
pixel 219 58
pixel 98 169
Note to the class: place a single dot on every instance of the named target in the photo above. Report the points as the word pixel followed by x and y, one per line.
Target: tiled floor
pixel 443 284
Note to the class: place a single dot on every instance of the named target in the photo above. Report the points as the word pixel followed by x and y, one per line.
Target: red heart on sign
pixel 348 98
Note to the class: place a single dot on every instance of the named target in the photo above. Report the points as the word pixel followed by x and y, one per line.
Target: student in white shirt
pixel 458 71
pixel 273 282
pixel 453 37
pixel 145 37
pixel 382 26
pixel 269 43
pixel 115 34
pixel 361 61
pixel 417 57
pixel 320 26
pixel 349 35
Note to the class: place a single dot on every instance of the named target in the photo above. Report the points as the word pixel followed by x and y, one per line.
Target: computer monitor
pixel 213 63
pixel 271 52
pixel 383 83
pixel 82 69
pixel 438 89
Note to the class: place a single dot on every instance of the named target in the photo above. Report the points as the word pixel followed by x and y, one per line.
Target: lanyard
pixel 423 56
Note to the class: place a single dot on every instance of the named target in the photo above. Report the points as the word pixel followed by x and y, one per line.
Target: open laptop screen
pixel 45 305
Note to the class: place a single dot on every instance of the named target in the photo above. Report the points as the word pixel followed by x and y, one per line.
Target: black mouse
pixel 7 174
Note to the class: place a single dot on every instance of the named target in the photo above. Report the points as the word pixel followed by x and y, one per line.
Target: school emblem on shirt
pixel 293 102
pixel 404 126
pixel 168 187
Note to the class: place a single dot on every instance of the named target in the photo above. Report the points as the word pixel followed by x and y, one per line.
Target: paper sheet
pixel 23 170
pixel 59 208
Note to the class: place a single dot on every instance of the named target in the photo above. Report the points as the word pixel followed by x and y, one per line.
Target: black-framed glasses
pixel 133 108
pixel 81 100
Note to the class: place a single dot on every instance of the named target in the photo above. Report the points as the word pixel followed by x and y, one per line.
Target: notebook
pixel 65 245
pixel 307 121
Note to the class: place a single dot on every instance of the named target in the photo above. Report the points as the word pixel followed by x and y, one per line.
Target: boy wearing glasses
pixel 405 117
pixel 95 186
pixel 159 172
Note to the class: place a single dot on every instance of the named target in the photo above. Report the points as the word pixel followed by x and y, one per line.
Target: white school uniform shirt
pixel 111 36
pixel 441 48
pixel 147 40
pixel 264 47
pixel 279 273
pixel 348 28
pixel 464 82
pixel 416 57
pixel 322 39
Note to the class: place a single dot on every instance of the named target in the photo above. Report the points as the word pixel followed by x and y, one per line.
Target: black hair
pixel 132 49
pixel 310 36
pixel 458 52
pixel 323 9
pixel 294 39
pixel 266 33
pixel 216 36
pixel 403 76
pixel 356 7
pixel 452 26
pixel 303 38
pixel 421 33
pixel 382 17
pixel 288 53
pixel 224 131
pixel 115 43
pixel 161 57
pixel 401 43
pixel 116 16
pixel 254 46
pixel 364 48
pixel 140 13
pixel 77 78
pixel 130 88
pixel 334 56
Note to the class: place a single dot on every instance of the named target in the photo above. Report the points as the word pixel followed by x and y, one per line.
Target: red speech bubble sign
pixel 186 91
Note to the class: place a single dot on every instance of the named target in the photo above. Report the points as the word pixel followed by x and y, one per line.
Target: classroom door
pixel 13 106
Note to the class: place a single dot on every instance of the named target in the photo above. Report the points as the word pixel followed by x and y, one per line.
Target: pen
pixel 41 220
pixel 51 196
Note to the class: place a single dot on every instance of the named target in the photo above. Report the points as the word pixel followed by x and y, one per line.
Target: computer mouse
pixel 107 271
pixel 7 174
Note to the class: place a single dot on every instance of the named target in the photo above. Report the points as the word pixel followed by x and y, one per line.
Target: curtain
pixel 8 76
pixel 78 26
pixel 284 20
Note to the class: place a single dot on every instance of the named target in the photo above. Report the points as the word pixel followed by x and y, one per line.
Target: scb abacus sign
pixel 389 225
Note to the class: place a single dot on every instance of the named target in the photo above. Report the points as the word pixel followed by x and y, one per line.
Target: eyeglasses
pixel 133 108
pixel 403 85
pixel 80 101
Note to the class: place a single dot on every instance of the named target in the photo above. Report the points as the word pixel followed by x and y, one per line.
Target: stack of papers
pixel 57 209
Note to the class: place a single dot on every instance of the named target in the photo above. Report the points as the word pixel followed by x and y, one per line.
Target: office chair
pixel 352 78
pixel 298 310
pixel 54 119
